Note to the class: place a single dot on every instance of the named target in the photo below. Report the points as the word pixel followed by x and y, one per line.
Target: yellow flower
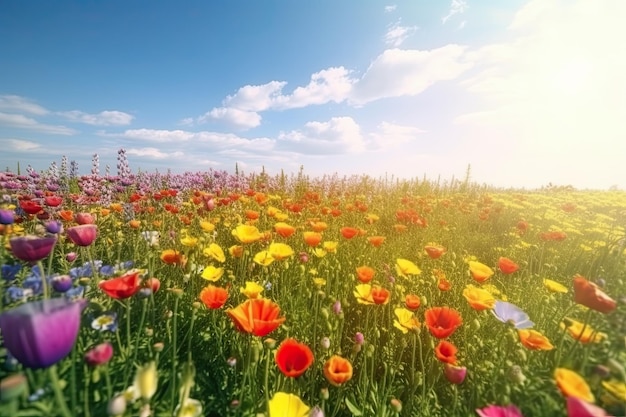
pixel 363 294
pixel 287 405
pixel 330 247
pixel 146 379
pixel 405 320
pixel 212 273
pixel 319 282
pixel 319 252
pixel 616 391
pixel 405 267
pixel 554 286
pixel 247 233
pixel 573 385
pixel 188 408
pixel 280 251
pixel 215 251
pixel 480 272
pixel 263 258
pixel 534 340
pixel 189 241
pixel 236 251
pixel 207 226
pixel 478 298
pixel 575 329
pixel 251 290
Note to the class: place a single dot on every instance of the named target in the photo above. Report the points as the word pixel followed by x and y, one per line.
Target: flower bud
pixel 158 347
pixel 359 339
pixel 117 405
pixel 270 343
pixel 232 361
pixel 12 387
pixel 455 374
pixel 71 257
pixel 324 394
pixel 325 343
pixel 396 405
pixel 337 307
pixel 516 375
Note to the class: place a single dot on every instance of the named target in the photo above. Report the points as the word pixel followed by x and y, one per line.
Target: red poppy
pixel 293 358
pixel 380 295
pixel 53 200
pixel 122 287
pixel 442 321
pixel 412 302
pixel 349 232
pixel 507 266
pixel 446 352
pixel 258 316
pixel 30 206
pixel 590 295
pixel 444 285
pixel 213 297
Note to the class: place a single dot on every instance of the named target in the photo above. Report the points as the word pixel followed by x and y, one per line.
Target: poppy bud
pixel 325 343
pixel 71 257
pixel 12 387
pixel 158 347
pixel 117 405
pixel 516 375
pixel 455 374
pixel 337 307
pixel 324 394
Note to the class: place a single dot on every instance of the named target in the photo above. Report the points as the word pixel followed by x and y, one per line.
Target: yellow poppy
pixel 212 273
pixel 246 233
pixel 280 251
pixel 581 332
pixel 573 385
pixel 404 267
pixel 252 290
pixel 330 247
pixel 478 298
pixel 480 272
pixel 554 286
pixel 263 258
pixel 363 294
pixel 287 405
pixel 215 251
pixel 405 320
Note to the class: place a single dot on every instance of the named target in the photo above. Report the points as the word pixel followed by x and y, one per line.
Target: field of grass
pixel 211 294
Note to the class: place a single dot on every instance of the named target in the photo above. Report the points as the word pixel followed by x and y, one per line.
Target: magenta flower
pixel 32 248
pixel 83 235
pixel 41 333
pixel 580 408
pixel 499 411
pixel 99 354
pixel 455 374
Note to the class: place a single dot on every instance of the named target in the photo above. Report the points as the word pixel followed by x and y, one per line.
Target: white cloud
pixel 22 122
pixel 104 118
pixel 337 136
pixel 390 8
pixel 237 118
pixel 399 72
pixel 155 135
pixel 153 153
pixel 391 134
pixel 21 104
pixel 19 145
pixel 332 84
pixel 254 98
pixel 397 34
pixel 456 7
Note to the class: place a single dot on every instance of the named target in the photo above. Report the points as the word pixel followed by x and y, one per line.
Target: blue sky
pixel 526 92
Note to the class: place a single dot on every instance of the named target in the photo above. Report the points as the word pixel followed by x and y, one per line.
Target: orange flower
pixel 573 385
pixel 134 224
pixel 284 230
pixel 534 340
pixel 173 257
pixel 337 370
pixel 380 295
pixel 293 358
pixel 442 321
pixel 349 232
pixel 480 272
pixel 434 251
pixel 412 302
pixel 67 215
pixel 590 295
pixel 312 238
pixel 399 227
pixel 444 284
pixel 365 274
pixel 446 352
pixel 213 297
pixel 318 226
pixel 258 316
pixel 376 241
pixel 252 215
pixel 507 266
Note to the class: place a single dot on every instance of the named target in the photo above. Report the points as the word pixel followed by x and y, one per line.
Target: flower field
pixel 217 294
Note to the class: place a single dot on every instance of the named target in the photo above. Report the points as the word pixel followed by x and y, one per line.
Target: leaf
pixel 353 409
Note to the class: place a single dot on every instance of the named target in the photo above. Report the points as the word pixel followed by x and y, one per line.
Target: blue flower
pixel 511 314
pixel 9 272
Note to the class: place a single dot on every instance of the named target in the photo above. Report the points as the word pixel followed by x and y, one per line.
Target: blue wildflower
pixel 9 272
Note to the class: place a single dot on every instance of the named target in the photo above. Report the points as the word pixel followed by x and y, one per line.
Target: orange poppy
pixel 258 316
pixel 293 358
pixel 442 321
pixel 434 251
pixel 507 266
pixel 337 370
pixel 399 227
pixel 284 230
pixel 349 232
pixel 380 295
pixel 252 215
pixel 318 226
pixel 590 295
pixel 534 340
pixel 376 241
pixel 67 215
pixel 365 274
pixel 312 238
pixel 446 352
pixel 173 257
pixel 213 297
pixel 412 302
pixel 135 224
pixel 122 287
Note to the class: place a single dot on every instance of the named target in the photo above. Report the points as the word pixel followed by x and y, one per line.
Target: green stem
pixel 174 354
pixel 58 394
pixel 144 303
pixel 44 279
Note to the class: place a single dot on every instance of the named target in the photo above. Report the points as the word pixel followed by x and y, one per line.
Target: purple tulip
pixel 7 216
pixel 41 333
pixel 83 235
pixel 71 257
pixel 32 248
pixel 54 227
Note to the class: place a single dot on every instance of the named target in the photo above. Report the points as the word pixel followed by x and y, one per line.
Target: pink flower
pixel 83 235
pixel 580 408
pixel 84 218
pixel 99 354
pixel 455 374
pixel 499 411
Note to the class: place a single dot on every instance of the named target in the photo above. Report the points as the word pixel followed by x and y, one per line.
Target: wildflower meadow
pixel 237 294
